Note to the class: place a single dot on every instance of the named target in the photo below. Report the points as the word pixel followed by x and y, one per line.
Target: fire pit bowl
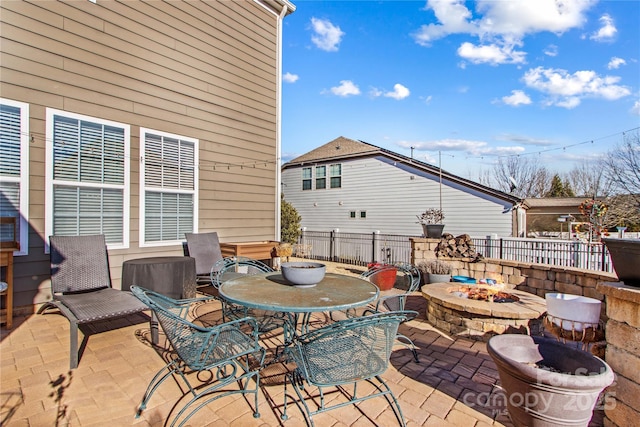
pixel 303 274
pixel 546 382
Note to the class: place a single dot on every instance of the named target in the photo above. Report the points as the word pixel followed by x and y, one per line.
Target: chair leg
pixel 73 343
pixel 407 342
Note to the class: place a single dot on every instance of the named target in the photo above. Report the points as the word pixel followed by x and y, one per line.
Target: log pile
pixel 457 247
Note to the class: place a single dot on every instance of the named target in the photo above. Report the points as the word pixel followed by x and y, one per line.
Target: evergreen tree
pixel 559 188
pixel 289 223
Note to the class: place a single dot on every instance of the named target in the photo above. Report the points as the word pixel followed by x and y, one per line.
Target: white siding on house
pixel 392 195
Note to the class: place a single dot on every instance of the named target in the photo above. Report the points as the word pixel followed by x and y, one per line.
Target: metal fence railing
pixel 364 248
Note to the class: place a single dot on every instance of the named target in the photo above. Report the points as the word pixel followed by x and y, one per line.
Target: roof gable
pixel 343 148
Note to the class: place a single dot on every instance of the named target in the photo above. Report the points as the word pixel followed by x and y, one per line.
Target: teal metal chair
pixel 408 282
pixel 234 267
pixel 343 354
pixel 229 350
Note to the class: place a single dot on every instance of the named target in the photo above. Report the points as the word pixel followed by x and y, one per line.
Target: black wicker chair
pixel 81 286
pixel 205 248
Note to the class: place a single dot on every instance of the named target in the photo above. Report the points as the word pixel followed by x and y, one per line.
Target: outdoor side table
pixel 173 276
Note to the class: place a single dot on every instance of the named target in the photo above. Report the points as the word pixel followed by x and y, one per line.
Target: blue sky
pixel 471 80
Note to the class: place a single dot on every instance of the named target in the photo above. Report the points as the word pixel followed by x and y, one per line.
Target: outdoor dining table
pixel 270 291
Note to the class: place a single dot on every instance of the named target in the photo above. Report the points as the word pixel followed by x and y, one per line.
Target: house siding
pixel 392 195
pixel 206 70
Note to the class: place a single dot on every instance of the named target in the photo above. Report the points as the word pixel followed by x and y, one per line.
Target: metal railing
pixel 365 248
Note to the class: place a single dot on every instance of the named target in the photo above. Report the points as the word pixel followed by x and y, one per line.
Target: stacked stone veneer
pixel 623 353
pixel 620 312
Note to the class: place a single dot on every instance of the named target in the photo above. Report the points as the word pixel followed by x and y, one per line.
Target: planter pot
pixel 573 312
pixel 384 280
pixel 438 278
pixel 562 394
pixel 625 256
pixel 432 231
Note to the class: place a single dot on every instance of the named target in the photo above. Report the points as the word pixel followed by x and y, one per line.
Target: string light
pixel 202 165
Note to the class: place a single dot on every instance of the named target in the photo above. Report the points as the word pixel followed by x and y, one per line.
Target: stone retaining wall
pixel 620 313
pixel 538 279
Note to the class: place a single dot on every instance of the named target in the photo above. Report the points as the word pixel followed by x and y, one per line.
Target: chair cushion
pixel 102 304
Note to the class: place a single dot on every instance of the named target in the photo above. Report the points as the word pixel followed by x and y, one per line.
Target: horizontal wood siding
pixel 392 196
pixel 202 69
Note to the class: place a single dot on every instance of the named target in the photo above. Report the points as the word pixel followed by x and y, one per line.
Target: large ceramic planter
pixel 563 393
pixel 573 312
pixel 625 256
pixel 432 231
pixel 385 279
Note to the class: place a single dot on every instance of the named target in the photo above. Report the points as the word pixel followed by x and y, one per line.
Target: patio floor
pixel 453 385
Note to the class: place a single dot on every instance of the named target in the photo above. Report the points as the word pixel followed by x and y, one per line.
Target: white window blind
pixel 169 187
pixel 88 188
pixel 14 174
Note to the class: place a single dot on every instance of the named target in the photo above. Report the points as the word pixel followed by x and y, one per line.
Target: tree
pixel 588 179
pixel 559 188
pixel 531 179
pixel 622 166
pixel 289 222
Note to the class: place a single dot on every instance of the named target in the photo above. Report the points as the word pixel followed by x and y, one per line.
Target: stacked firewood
pixel 457 247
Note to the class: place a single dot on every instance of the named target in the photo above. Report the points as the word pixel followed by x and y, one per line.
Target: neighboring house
pixel 138 120
pixel 354 186
pixel 552 216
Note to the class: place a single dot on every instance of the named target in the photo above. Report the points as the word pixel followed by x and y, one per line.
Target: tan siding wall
pixel 205 70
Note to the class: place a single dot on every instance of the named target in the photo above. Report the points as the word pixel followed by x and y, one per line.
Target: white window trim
pixel 24 174
pixel 49 174
pixel 196 187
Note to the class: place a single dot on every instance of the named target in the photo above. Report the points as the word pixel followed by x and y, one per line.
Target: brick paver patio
pixel 453 385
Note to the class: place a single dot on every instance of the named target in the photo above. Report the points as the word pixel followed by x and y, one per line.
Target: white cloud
pixel 607 32
pixel 346 88
pixel 516 98
pixel 567 90
pixel 399 92
pixel 616 63
pixel 375 92
pixel 500 25
pixel 326 35
pixel 551 50
pixel 290 78
pixel 493 54
pixel 473 148
pixel 636 108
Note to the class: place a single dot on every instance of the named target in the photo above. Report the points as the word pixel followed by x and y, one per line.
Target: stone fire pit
pixel 481 319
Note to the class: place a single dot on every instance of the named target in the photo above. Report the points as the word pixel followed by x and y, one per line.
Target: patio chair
pixel 81 286
pixel 233 267
pixel 229 351
pixel 407 282
pixel 205 248
pixel 340 354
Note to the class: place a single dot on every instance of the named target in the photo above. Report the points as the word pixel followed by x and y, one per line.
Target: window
pixel 168 187
pixel 352 214
pixel 363 214
pixel 306 178
pixel 14 167
pixel 87 190
pixel 321 177
pixel 335 174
